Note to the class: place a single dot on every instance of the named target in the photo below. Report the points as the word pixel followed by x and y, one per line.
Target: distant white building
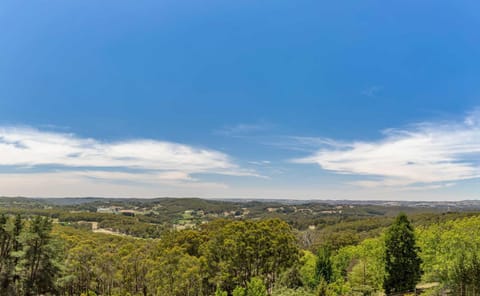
pixel 109 210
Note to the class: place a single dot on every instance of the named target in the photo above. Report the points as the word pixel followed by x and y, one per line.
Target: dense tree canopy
pixel 236 257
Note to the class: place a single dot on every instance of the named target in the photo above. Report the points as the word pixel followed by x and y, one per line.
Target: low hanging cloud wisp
pixel 144 161
pixel 424 154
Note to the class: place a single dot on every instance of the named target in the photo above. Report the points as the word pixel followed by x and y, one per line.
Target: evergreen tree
pixel 10 246
pixel 5 254
pixel 323 289
pixel 402 264
pixel 38 261
pixel 323 268
pixel 17 247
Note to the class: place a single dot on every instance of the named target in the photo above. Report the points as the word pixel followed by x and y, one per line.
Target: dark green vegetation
pixel 402 264
pixel 195 247
pixel 29 258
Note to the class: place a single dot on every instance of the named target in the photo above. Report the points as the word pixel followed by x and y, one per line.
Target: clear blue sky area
pixel 291 99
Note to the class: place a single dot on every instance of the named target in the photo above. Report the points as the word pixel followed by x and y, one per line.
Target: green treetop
pixel 402 264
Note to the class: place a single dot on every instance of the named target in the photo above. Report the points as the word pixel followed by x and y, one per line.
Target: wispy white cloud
pixel 299 143
pixel 243 129
pixel 426 153
pixel 141 161
pixel 260 162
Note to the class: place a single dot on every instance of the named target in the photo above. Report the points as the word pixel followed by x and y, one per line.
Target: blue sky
pixel 268 99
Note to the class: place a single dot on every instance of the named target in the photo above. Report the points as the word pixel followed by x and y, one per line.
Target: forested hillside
pixel 241 257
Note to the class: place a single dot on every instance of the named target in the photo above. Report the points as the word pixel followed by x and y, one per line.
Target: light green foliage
pixel 219 292
pixel 362 265
pixel 239 291
pixel 450 251
pixel 342 261
pixel 340 287
pixel 308 269
pixel 368 273
pixel 256 287
pixel 136 264
pixel 466 275
pixel 437 291
pixel 443 244
pixel 176 273
pixel 293 292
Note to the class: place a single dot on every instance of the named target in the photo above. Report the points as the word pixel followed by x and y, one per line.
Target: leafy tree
pixel 136 263
pixel 402 263
pixel 220 292
pixel 292 278
pixel 256 287
pixel 106 268
pixel 308 269
pixel 361 279
pixel 367 272
pixel 239 291
pixel 80 267
pixel 466 275
pixel 241 250
pixel 176 273
pixel 443 245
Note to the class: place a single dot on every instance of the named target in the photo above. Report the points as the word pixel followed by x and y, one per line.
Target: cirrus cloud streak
pixel 424 154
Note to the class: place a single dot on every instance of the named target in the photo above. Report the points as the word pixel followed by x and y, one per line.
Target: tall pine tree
pixel 323 267
pixel 402 264
pixel 38 261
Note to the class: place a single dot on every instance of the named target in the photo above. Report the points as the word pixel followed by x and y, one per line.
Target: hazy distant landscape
pixel 239 148
pixel 188 213
pixel 192 246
